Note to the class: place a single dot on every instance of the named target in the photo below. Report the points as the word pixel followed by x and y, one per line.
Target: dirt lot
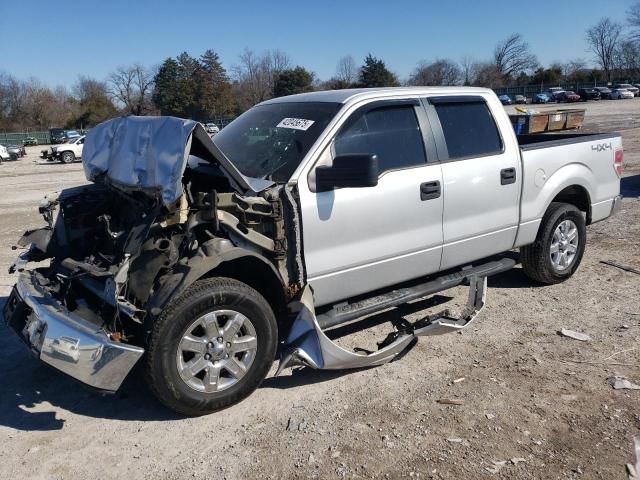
pixel 530 397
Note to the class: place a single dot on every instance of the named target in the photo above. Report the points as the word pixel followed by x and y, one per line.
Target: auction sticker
pixel 295 123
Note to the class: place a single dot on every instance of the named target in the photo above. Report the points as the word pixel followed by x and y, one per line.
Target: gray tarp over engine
pixel 151 153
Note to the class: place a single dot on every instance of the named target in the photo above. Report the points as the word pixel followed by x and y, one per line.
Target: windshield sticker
pixel 295 123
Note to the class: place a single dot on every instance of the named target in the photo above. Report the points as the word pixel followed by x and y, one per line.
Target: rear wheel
pixel 559 246
pixel 68 157
pixel 211 347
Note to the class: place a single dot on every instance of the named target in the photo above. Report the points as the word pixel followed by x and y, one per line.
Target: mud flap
pixel 307 345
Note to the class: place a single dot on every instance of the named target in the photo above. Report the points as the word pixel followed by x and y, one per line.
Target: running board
pixel 308 345
pixel 346 312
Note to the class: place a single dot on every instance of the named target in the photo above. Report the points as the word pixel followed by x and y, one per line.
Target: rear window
pixel 469 129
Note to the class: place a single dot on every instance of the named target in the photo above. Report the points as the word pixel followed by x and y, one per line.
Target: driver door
pixel 357 240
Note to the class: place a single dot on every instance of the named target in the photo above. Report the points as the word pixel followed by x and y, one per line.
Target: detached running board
pixel 308 345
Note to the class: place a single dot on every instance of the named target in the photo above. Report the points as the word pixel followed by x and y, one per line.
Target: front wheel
pixel 68 157
pixel 559 246
pixel 211 347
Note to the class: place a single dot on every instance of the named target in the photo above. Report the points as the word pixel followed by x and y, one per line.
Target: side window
pixel 391 133
pixel 469 129
pixel 81 142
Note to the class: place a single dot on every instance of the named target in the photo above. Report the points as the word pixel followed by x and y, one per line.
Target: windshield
pixel 269 141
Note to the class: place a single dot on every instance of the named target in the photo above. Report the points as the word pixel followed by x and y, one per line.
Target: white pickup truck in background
pixel 306 212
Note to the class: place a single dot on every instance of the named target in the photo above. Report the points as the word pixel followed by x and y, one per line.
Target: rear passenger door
pixel 357 240
pixel 481 179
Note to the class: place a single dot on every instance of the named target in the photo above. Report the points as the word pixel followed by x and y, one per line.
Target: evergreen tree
pixel 292 81
pixel 374 73
pixel 214 90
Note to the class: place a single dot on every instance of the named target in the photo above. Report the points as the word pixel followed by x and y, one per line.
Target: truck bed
pixel 534 141
pixel 552 161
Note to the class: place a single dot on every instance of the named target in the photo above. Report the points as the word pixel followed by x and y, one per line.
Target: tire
pixel 67 157
pixel 226 299
pixel 539 261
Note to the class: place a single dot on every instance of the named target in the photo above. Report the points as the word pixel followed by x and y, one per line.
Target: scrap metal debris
pixel 621 383
pixel 621 267
pixel 450 401
pixel 497 466
pixel 633 472
pixel 583 337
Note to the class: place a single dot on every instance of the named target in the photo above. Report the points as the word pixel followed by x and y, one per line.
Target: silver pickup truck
pixel 206 259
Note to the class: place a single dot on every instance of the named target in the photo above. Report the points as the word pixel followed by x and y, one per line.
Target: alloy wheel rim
pixel 216 351
pixel 564 245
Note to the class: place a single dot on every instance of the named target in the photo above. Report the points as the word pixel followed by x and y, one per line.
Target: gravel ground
pixel 533 404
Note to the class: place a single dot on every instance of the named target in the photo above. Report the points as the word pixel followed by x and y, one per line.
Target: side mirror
pixel 348 171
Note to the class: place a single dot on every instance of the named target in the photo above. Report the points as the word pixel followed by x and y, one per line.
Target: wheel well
pixel 578 197
pixel 258 276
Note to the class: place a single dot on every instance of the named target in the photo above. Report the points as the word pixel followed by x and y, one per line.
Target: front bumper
pixel 65 340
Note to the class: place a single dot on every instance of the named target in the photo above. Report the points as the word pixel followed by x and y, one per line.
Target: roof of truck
pixel 350 94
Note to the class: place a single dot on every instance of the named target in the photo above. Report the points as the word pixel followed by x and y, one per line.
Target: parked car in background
pixel 567 97
pixel 629 87
pixel 520 99
pixel 211 128
pixel 553 92
pixel 57 135
pixel 71 135
pixel 540 98
pixel 505 99
pixel 605 92
pixel 66 152
pixel 588 94
pixel 16 150
pixel 30 141
pixel 4 154
pixel 621 94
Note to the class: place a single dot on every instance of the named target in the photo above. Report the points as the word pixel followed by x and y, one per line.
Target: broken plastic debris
pixel 583 337
pixel 621 383
pixel 497 466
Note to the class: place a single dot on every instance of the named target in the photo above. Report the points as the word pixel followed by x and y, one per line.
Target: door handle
pixel 430 190
pixel 507 176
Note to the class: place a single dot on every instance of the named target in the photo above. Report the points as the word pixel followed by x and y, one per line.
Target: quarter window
pixel 391 133
pixel 469 129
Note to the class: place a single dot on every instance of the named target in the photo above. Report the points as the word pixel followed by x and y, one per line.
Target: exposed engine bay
pixel 120 252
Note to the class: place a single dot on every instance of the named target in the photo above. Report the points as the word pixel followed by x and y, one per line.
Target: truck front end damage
pixel 164 209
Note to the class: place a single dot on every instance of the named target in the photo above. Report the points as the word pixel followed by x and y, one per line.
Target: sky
pixel 56 41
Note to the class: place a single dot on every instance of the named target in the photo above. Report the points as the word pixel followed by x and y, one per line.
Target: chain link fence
pixel 44 138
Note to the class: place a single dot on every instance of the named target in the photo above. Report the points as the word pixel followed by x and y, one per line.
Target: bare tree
pixel 439 72
pixel 627 59
pixel 486 74
pixel 255 75
pixel 633 18
pixel 603 40
pixel 132 87
pixel 512 56
pixel 572 69
pixel 467 64
pixel 347 70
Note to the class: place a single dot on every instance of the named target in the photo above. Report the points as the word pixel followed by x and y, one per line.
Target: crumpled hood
pixel 150 154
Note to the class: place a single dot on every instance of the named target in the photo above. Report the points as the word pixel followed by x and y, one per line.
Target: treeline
pixel 203 89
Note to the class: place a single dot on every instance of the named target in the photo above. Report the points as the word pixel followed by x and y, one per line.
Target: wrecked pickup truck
pixel 204 260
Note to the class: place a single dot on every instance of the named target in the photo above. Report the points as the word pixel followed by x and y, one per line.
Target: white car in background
pixel 4 153
pixel 628 86
pixel 67 152
pixel 621 93
pixel 211 129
